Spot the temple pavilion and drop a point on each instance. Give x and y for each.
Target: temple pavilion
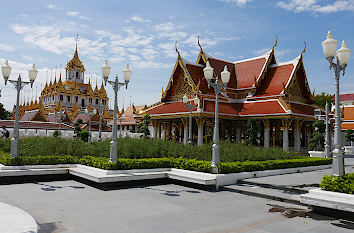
(70, 96)
(276, 94)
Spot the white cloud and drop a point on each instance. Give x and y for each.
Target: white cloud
(7, 48)
(238, 2)
(53, 7)
(138, 19)
(314, 6)
(72, 13)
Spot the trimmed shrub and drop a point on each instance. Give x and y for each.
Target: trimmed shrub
(7, 160)
(342, 184)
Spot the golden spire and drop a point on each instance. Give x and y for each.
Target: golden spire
(58, 107)
(75, 62)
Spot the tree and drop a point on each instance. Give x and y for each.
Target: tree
(143, 126)
(77, 129)
(252, 132)
(320, 100)
(4, 114)
(349, 136)
(317, 138)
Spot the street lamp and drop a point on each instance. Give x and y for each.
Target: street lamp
(218, 86)
(90, 114)
(106, 69)
(60, 117)
(19, 84)
(319, 116)
(340, 63)
(193, 104)
(100, 112)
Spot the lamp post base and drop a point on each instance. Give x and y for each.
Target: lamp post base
(113, 152)
(215, 159)
(338, 162)
(14, 148)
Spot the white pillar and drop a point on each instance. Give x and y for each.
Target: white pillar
(200, 123)
(163, 132)
(180, 128)
(286, 126)
(185, 130)
(266, 124)
(297, 132)
(154, 124)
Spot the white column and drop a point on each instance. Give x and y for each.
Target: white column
(163, 131)
(185, 130)
(297, 132)
(180, 128)
(200, 123)
(266, 124)
(154, 124)
(286, 126)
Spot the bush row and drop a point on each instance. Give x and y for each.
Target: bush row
(6, 159)
(134, 148)
(342, 184)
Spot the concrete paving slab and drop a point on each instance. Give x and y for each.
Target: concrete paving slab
(15, 220)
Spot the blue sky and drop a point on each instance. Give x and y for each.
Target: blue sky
(142, 33)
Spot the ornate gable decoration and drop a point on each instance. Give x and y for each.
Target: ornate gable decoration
(186, 81)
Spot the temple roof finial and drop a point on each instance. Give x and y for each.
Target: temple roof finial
(177, 49)
(276, 42)
(199, 44)
(304, 50)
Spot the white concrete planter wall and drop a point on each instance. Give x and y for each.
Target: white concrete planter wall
(349, 150)
(320, 154)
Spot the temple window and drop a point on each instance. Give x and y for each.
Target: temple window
(61, 97)
(82, 102)
(68, 98)
(77, 74)
(53, 97)
(76, 99)
(127, 127)
(122, 127)
(90, 100)
(96, 101)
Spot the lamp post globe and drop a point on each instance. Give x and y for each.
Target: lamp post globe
(6, 71)
(343, 55)
(329, 46)
(106, 70)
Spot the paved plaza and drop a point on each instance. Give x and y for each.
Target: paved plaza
(72, 206)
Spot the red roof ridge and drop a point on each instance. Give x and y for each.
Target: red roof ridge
(294, 62)
(186, 62)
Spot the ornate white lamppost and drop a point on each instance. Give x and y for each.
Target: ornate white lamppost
(218, 86)
(90, 114)
(106, 69)
(100, 112)
(19, 84)
(327, 122)
(342, 56)
(193, 104)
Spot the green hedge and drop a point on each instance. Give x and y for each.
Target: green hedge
(201, 166)
(342, 184)
(6, 159)
(181, 163)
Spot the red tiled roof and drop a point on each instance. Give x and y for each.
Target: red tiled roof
(224, 108)
(83, 116)
(129, 110)
(262, 108)
(33, 125)
(302, 109)
(27, 116)
(347, 126)
(196, 73)
(274, 80)
(345, 97)
(219, 65)
(166, 108)
(348, 113)
(247, 71)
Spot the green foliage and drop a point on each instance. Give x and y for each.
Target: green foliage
(77, 128)
(200, 166)
(317, 138)
(321, 99)
(342, 184)
(4, 114)
(143, 126)
(7, 160)
(349, 135)
(84, 135)
(252, 132)
(56, 133)
(144, 148)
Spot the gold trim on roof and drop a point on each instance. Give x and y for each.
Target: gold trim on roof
(75, 63)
